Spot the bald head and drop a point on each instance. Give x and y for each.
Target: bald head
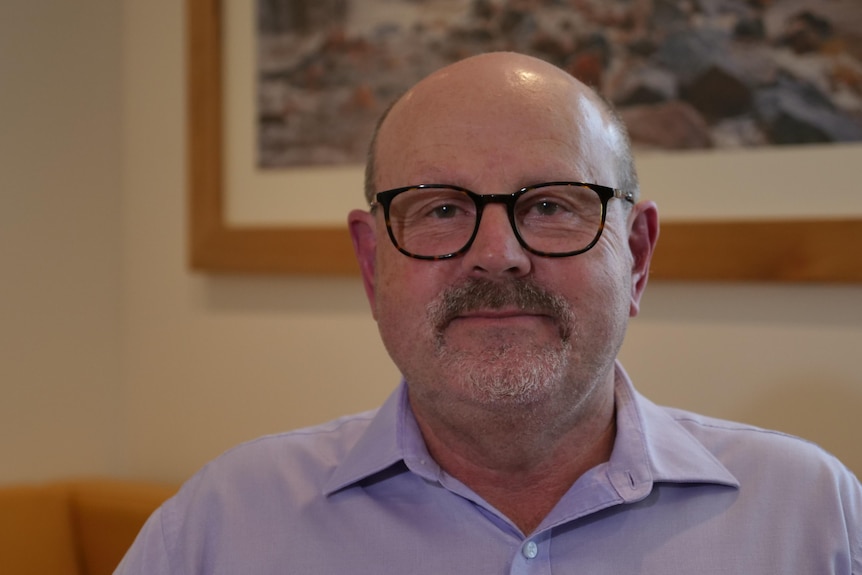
(532, 97)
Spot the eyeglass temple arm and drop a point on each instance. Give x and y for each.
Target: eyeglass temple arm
(628, 196)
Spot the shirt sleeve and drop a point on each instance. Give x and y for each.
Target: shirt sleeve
(857, 533)
(851, 495)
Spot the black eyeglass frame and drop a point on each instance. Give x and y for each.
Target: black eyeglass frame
(605, 194)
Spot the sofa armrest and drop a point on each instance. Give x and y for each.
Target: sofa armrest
(36, 531)
(108, 515)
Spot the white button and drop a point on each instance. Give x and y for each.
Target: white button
(530, 550)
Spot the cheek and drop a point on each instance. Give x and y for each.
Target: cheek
(613, 257)
(597, 284)
(404, 290)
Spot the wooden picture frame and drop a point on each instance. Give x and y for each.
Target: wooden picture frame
(789, 250)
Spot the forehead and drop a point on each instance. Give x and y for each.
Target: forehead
(527, 128)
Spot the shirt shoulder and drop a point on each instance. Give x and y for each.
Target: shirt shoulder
(722, 434)
(784, 475)
(751, 452)
(257, 488)
(310, 452)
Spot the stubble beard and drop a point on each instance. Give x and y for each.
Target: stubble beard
(506, 370)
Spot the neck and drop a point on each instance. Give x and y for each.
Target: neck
(522, 461)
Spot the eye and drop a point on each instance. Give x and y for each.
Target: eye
(432, 205)
(444, 211)
(547, 208)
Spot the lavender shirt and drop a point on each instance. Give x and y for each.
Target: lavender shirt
(682, 493)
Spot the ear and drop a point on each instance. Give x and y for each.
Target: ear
(363, 233)
(643, 235)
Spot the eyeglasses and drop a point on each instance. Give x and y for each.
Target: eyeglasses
(439, 221)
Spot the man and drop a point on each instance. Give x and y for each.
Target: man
(503, 254)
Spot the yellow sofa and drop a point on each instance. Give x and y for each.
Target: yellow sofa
(80, 527)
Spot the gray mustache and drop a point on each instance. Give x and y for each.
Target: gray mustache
(481, 294)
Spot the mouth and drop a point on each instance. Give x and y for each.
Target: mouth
(508, 319)
(501, 315)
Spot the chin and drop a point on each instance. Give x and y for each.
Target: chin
(508, 375)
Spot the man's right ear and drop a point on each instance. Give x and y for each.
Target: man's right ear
(363, 233)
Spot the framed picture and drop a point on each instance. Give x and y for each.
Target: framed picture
(726, 215)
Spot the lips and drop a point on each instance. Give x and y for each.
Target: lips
(502, 315)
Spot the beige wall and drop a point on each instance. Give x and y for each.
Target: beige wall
(127, 363)
(60, 232)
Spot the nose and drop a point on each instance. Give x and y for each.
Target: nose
(495, 252)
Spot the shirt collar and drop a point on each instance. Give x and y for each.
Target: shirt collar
(392, 437)
(650, 447)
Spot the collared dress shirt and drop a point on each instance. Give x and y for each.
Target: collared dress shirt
(681, 493)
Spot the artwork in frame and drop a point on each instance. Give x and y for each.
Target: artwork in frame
(804, 246)
(683, 75)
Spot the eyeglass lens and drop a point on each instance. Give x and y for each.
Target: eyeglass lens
(433, 222)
